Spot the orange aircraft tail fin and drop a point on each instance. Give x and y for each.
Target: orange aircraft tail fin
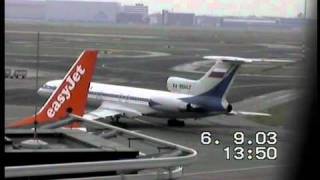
(70, 96)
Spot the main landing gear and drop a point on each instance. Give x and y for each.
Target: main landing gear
(175, 123)
(115, 121)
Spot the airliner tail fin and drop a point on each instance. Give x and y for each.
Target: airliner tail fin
(217, 81)
(70, 96)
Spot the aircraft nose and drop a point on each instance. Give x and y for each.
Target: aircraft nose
(39, 91)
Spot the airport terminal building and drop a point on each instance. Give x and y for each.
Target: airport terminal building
(114, 12)
(177, 19)
(83, 11)
(19, 9)
(133, 14)
(62, 11)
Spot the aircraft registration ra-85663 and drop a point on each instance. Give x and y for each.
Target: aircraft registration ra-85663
(185, 98)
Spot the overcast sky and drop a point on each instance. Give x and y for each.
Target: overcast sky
(286, 8)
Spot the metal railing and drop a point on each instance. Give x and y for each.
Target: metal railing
(172, 164)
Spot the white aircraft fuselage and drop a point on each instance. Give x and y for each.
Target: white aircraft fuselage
(134, 98)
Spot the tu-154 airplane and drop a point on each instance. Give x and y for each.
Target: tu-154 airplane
(185, 99)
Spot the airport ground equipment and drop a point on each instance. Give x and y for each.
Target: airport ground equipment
(167, 164)
(7, 73)
(18, 73)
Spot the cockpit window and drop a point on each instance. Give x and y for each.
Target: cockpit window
(48, 87)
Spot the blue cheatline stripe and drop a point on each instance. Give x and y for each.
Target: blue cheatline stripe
(118, 96)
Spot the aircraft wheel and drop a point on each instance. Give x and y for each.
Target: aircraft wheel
(116, 122)
(119, 124)
(175, 123)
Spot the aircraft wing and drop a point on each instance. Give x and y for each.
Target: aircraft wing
(101, 113)
(106, 110)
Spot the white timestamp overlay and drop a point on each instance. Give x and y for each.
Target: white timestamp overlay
(260, 146)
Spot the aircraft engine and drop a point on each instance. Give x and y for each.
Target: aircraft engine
(171, 105)
(229, 108)
(180, 85)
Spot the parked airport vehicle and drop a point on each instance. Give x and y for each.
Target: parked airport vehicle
(7, 73)
(70, 96)
(186, 99)
(20, 73)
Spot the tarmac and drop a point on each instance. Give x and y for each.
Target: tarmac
(256, 92)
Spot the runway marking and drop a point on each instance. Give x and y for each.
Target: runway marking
(259, 85)
(13, 118)
(233, 170)
(250, 75)
(84, 34)
(135, 71)
(155, 124)
(42, 55)
(270, 76)
(145, 122)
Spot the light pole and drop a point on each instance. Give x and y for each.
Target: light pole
(305, 9)
(37, 79)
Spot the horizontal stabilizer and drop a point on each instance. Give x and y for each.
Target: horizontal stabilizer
(229, 59)
(245, 113)
(247, 60)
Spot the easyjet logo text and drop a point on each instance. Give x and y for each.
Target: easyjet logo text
(65, 93)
